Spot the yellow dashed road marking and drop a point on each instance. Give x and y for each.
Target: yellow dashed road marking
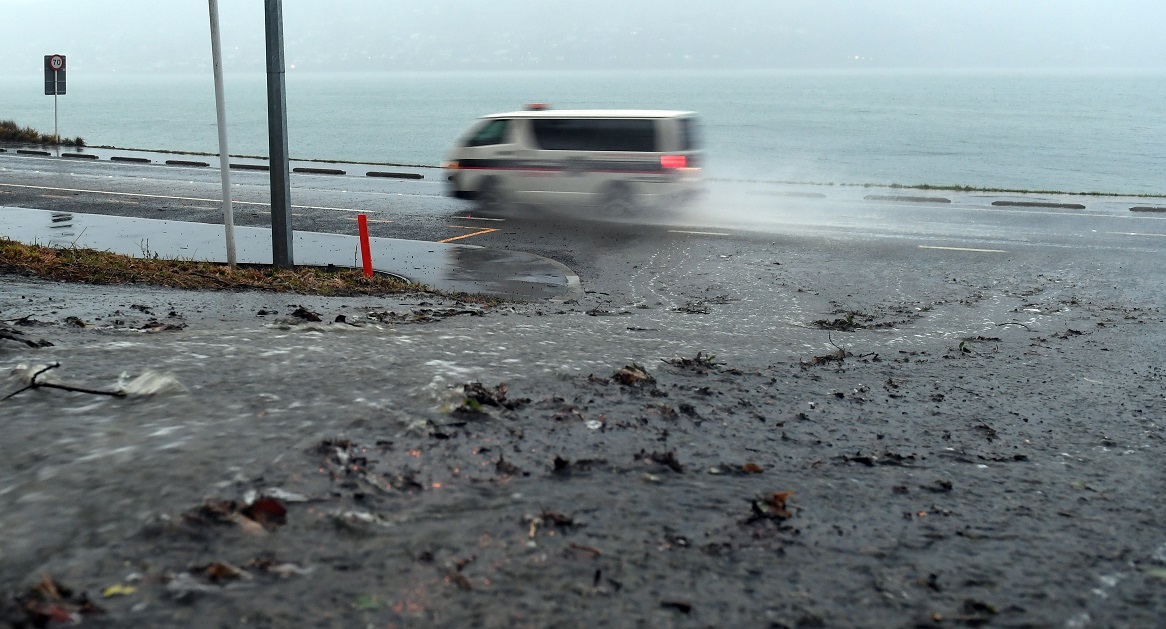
(477, 233)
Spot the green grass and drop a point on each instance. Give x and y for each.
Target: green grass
(12, 132)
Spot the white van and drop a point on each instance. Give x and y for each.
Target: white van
(611, 162)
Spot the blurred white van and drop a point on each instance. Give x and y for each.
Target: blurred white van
(609, 162)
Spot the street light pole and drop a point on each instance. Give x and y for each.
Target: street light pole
(281, 226)
(221, 111)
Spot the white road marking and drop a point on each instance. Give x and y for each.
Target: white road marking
(685, 231)
(1136, 234)
(963, 249)
(479, 218)
(172, 198)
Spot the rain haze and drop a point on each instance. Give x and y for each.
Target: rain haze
(726, 313)
(364, 35)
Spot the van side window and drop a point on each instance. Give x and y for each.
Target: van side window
(595, 134)
(493, 133)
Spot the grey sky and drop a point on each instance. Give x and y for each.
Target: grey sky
(377, 35)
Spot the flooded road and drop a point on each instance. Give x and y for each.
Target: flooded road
(852, 422)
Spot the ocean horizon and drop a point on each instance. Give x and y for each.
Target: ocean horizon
(1082, 131)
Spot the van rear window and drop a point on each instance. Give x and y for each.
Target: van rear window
(689, 136)
(595, 134)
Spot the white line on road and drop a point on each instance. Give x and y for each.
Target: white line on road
(1136, 234)
(684, 231)
(479, 218)
(963, 249)
(171, 198)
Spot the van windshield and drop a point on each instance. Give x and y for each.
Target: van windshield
(595, 134)
(494, 132)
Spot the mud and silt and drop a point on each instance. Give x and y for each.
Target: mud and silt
(992, 456)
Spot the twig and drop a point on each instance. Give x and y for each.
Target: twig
(1015, 323)
(33, 384)
(7, 335)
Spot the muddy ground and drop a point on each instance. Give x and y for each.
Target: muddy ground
(802, 441)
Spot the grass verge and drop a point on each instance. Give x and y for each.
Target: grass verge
(101, 267)
(12, 132)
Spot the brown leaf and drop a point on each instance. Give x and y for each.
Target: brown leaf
(268, 512)
(632, 375)
(220, 571)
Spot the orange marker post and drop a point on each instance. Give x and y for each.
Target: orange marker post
(365, 252)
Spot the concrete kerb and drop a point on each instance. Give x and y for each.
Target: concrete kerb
(394, 175)
(318, 171)
(904, 198)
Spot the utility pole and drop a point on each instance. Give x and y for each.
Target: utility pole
(281, 226)
(224, 153)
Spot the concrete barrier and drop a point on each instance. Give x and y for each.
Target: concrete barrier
(1062, 206)
(791, 193)
(183, 162)
(319, 171)
(31, 152)
(250, 167)
(374, 173)
(892, 197)
(136, 160)
(1146, 208)
(79, 155)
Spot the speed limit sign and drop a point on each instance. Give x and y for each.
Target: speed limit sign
(54, 75)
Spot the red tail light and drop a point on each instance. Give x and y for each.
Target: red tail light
(673, 161)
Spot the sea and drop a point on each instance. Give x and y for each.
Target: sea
(1067, 131)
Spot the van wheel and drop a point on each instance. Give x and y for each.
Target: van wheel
(617, 202)
(490, 199)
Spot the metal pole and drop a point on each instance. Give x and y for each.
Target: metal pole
(281, 227)
(56, 133)
(224, 153)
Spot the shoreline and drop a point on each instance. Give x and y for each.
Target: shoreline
(820, 184)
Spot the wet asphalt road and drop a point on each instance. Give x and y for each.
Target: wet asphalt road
(977, 441)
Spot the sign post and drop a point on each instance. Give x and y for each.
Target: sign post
(55, 85)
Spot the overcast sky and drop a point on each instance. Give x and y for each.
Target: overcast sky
(100, 36)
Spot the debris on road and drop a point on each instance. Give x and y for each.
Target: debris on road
(48, 603)
(772, 506)
(12, 334)
(633, 376)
